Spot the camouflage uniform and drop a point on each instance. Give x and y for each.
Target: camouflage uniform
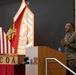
(70, 51)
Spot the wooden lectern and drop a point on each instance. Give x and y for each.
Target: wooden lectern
(40, 53)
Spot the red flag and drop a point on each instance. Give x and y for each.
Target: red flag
(22, 6)
(21, 34)
(13, 33)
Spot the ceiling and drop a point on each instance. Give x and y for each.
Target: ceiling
(6, 2)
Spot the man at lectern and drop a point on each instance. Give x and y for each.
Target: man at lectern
(69, 43)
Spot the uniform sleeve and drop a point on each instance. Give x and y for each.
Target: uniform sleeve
(73, 42)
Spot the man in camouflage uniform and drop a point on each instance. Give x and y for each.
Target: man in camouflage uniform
(69, 43)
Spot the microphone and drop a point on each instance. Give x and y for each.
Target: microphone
(26, 60)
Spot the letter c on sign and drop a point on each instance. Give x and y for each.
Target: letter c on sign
(1, 59)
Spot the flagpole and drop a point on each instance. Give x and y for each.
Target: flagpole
(27, 21)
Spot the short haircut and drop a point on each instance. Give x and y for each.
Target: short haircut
(72, 24)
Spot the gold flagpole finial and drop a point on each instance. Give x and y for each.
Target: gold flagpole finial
(27, 2)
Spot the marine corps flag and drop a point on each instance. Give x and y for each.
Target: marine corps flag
(21, 33)
(13, 32)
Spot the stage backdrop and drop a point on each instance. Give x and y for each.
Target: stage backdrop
(50, 19)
